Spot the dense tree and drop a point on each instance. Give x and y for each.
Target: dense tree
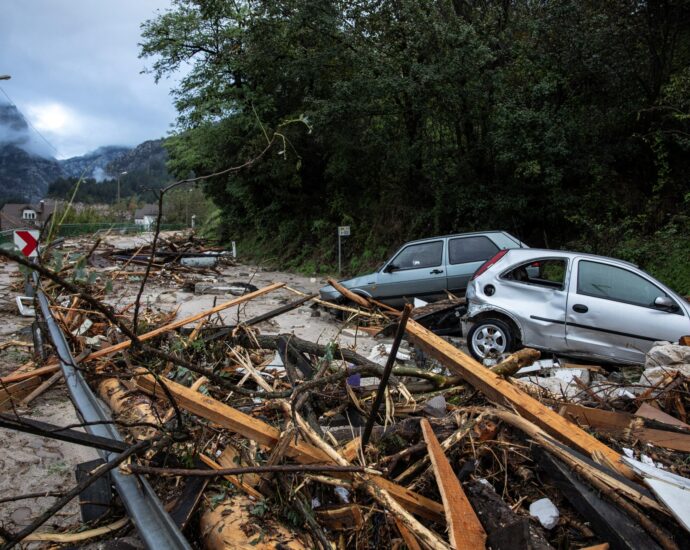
(566, 122)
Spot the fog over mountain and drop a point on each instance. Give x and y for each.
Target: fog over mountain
(14, 130)
(94, 164)
(26, 164)
(27, 167)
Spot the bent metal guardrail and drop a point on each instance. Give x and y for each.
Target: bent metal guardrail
(155, 527)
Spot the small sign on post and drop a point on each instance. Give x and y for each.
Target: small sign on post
(27, 242)
(343, 231)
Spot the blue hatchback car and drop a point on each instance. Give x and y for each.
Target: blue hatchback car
(427, 268)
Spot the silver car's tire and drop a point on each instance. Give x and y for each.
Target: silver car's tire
(490, 337)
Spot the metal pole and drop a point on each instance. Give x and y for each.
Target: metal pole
(386, 374)
(155, 526)
(340, 266)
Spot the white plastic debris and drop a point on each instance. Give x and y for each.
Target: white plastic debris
(93, 341)
(83, 328)
(420, 303)
(343, 494)
(560, 382)
(545, 511)
(381, 352)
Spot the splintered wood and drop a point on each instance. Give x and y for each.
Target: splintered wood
(264, 441)
(182, 322)
(268, 436)
(503, 392)
(465, 530)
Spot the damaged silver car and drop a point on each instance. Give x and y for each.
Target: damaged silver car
(578, 305)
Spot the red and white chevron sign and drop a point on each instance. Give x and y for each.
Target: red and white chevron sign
(27, 242)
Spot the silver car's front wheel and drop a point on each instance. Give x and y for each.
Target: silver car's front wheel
(490, 337)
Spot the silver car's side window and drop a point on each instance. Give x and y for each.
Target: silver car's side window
(548, 272)
(615, 283)
(470, 249)
(419, 255)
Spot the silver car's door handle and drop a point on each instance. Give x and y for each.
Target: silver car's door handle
(436, 271)
(580, 308)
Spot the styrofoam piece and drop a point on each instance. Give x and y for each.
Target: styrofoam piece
(546, 512)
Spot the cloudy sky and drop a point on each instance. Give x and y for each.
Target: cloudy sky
(76, 75)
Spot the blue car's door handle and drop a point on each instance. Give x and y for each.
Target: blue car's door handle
(580, 308)
(436, 271)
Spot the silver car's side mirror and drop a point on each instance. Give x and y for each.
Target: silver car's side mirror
(664, 302)
(390, 268)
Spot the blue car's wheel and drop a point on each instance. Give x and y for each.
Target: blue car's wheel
(490, 337)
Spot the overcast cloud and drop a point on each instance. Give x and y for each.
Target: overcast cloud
(76, 75)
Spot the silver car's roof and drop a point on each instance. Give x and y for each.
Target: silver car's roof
(527, 253)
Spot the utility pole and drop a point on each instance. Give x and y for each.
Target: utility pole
(118, 185)
(5, 77)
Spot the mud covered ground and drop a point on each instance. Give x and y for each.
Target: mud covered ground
(30, 463)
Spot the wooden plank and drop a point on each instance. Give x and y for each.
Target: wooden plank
(11, 395)
(652, 413)
(464, 529)
(340, 518)
(40, 390)
(181, 322)
(408, 537)
(12, 378)
(229, 418)
(268, 436)
(503, 392)
(236, 481)
(350, 450)
(626, 426)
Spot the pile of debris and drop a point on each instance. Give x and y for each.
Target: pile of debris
(269, 440)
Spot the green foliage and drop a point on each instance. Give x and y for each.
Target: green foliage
(562, 122)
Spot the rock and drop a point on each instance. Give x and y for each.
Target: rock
(665, 354)
(166, 298)
(21, 516)
(546, 512)
(436, 406)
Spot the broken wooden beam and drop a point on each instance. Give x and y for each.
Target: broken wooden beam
(464, 529)
(356, 298)
(18, 377)
(626, 426)
(515, 361)
(181, 322)
(501, 391)
(268, 436)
